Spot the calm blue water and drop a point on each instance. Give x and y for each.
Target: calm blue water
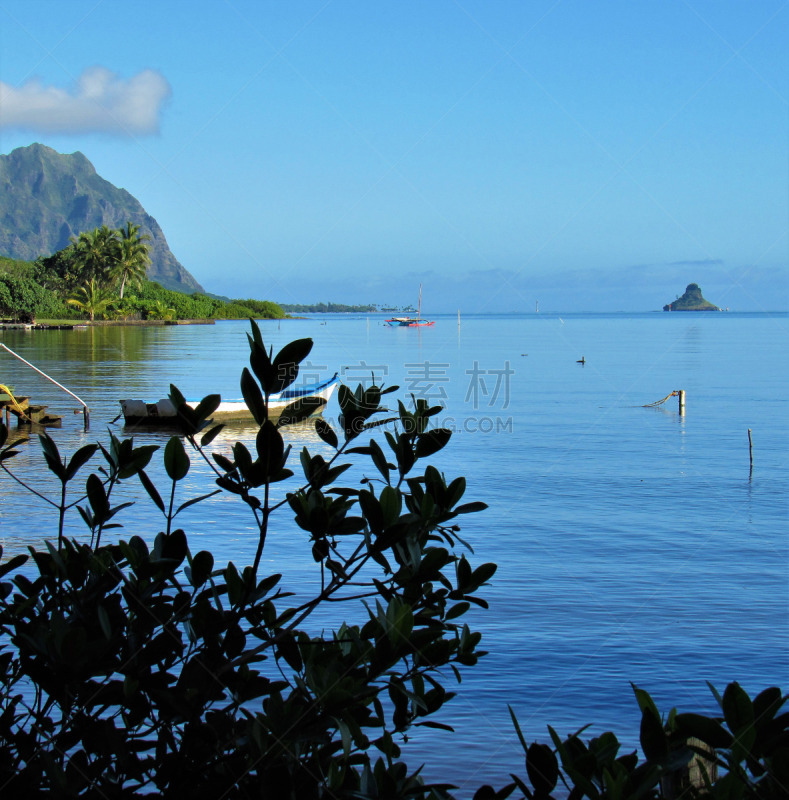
(633, 544)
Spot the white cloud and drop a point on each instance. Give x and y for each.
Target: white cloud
(101, 101)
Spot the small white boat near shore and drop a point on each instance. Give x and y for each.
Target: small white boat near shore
(164, 413)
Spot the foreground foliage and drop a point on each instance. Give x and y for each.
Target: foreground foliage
(129, 667)
(139, 667)
(743, 753)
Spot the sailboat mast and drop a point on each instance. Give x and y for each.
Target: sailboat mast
(419, 312)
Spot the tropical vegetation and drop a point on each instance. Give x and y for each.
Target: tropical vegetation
(327, 308)
(101, 275)
(131, 259)
(92, 298)
(143, 667)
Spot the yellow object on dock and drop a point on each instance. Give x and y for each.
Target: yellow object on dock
(26, 414)
(10, 403)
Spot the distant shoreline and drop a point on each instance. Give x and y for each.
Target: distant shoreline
(63, 325)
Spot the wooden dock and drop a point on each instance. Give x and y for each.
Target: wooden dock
(25, 412)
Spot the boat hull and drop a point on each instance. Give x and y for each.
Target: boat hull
(163, 412)
(401, 322)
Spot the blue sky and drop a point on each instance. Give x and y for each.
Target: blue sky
(589, 156)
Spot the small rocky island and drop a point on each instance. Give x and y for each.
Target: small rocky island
(692, 300)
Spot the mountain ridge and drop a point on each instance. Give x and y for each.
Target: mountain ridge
(47, 197)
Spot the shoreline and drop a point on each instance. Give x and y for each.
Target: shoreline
(114, 323)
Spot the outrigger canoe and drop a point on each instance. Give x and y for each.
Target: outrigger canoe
(164, 413)
(411, 322)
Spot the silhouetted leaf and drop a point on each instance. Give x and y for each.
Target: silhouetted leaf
(270, 448)
(767, 704)
(301, 409)
(52, 456)
(253, 397)
(738, 712)
(542, 768)
(708, 730)
(207, 406)
(286, 364)
(224, 462)
(176, 398)
(96, 495)
(79, 459)
(196, 500)
(653, 738)
(326, 432)
(260, 362)
(471, 508)
(137, 459)
(176, 461)
(431, 442)
(200, 568)
(151, 489)
(289, 650)
(484, 573)
(209, 437)
(737, 707)
(12, 564)
(645, 701)
(379, 459)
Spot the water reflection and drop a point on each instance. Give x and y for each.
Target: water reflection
(299, 435)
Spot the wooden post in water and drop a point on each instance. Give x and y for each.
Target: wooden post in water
(750, 450)
(682, 402)
(681, 781)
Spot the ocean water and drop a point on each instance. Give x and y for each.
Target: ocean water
(634, 544)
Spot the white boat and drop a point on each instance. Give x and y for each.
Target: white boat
(164, 412)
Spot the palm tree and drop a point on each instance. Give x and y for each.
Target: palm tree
(132, 257)
(91, 297)
(158, 310)
(96, 252)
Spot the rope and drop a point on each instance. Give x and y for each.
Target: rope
(660, 402)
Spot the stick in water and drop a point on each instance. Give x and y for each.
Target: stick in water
(750, 448)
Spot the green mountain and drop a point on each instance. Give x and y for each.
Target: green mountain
(692, 300)
(47, 197)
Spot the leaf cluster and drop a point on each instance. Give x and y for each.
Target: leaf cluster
(131, 669)
(741, 753)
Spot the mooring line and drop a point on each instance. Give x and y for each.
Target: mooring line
(660, 402)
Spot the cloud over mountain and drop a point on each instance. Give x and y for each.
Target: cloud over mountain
(101, 101)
